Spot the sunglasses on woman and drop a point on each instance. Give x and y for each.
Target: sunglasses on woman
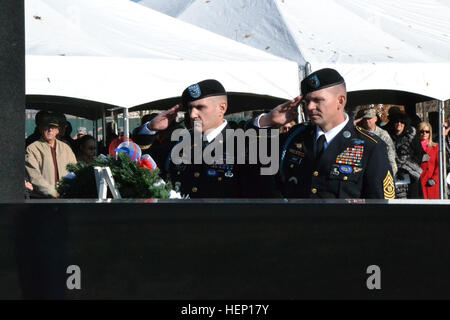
(424, 131)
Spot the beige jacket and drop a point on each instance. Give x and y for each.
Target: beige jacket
(40, 168)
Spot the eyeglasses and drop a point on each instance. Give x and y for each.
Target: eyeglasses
(424, 131)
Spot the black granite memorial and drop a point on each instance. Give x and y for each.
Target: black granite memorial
(182, 249)
(12, 99)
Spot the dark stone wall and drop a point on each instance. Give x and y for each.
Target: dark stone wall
(210, 250)
(12, 99)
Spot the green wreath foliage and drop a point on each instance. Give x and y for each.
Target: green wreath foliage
(131, 180)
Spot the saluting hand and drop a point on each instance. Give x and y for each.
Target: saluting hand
(282, 114)
(356, 121)
(164, 119)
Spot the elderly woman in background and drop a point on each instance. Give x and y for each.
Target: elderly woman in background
(409, 155)
(430, 164)
(85, 149)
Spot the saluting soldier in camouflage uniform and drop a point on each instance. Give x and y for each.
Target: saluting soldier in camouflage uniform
(366, 119)
(328, 157)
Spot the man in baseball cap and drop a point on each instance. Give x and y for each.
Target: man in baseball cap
(46, 160)
(367, 119)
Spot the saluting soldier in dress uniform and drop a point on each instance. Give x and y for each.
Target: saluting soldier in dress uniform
(328, 157)
(206, 103)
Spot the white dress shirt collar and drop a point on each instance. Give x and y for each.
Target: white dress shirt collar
(212, 134)
(329, 135)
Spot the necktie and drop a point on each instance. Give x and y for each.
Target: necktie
(320, 146)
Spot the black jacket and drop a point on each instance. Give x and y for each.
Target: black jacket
(354, 165)
(228, 179)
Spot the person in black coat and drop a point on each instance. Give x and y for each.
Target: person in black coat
(328, 157)
(409, 156)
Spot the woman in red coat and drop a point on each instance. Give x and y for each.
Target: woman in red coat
(430, 163)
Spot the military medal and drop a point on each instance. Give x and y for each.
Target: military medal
(211, 173)
(293, 180)
(229, 174)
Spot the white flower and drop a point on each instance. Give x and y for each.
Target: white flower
(173, 194)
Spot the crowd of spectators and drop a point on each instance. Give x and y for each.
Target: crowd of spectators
(413, 154)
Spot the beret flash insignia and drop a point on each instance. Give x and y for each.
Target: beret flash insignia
(314, 82)
(195, 91)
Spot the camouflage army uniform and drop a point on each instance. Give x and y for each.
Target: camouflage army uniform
(384, 135)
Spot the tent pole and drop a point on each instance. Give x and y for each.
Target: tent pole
(301, 75)
(307, 69)
(115, 116)
(443, 152)
(441, 138)
(126, 132)
(95, 133)
(104, 128)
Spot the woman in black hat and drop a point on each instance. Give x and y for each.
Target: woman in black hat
(409, 154)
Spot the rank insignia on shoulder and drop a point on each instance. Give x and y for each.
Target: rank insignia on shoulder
(389, 187)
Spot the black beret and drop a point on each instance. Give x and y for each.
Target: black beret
(203, 89)
(321, 79)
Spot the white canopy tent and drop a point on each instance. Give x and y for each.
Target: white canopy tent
(388, 51)
(119, 53)
(402, 45)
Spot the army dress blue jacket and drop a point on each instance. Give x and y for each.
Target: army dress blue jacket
(227, 179)
(354, 165)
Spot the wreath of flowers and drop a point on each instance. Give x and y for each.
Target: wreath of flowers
(134, 176)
